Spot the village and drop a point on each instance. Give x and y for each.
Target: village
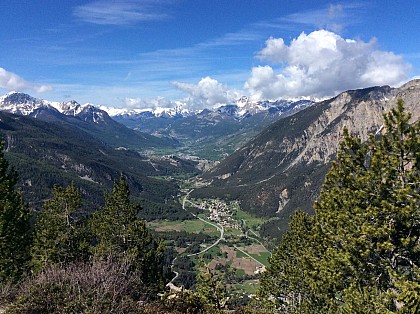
(220, 212)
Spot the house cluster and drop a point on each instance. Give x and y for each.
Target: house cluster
(220, 213)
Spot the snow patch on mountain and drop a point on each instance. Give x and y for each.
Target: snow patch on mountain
(243, 107)
(23, 104)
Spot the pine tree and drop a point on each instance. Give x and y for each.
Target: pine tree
(60, 232)
(122, 235)
(15, 228)
(211, 289)
(365, 240)
(285, 278)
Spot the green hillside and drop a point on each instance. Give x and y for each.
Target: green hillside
(45, 153)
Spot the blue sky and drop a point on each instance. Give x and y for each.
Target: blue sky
(142, 53)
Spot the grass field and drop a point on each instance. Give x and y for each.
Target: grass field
(251, 221)
(258, 252)
(190, 226)
(230, 231)
(248, 286)
(263, 257)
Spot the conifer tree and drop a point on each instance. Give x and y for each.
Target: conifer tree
(122, 235)
(285, 278)
(60, 232)
(15, 228)
(211, 289)
(365, 240)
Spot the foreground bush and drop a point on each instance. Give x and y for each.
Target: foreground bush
(96, 287)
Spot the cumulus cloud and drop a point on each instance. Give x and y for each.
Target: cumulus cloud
(13, 81)
(207, 93)
(322, 64)
(126, 12)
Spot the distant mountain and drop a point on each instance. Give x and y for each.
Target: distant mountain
(241, 108)
(282, 169)
(210, 133)
(86, 117)
(47, 153)
(23, 104)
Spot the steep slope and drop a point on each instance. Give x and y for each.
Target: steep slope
(282, 169)
(84, 117)
(45, 153)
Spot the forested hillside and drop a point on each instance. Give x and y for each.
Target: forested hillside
(48, 153)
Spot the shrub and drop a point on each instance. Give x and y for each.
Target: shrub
(100, 286)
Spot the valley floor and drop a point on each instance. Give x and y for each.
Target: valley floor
(237, 247)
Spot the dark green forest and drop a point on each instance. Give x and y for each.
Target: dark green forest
(358, 253)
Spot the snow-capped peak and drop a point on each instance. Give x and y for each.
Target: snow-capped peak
(112, 111)
(179, 110)
(243, 101)
(23, 104)
(20, 103)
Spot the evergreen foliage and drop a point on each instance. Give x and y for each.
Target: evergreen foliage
(211, 289)
(61, 234)
(15, 228)
(123, 236)
(363, 244)
(47, 153)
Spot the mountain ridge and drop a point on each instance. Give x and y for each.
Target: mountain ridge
(86, 117)
(283, 167)
(46, 153)
(243, 106)
(214, 133)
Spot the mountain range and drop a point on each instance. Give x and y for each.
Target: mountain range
(88, 118)
(202, 134)
(210, 133)
(282, 169)
(57, 143)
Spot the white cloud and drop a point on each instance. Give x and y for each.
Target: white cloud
(13, 81)
(207, 93)
(275, 50)
(322, 64)
(140, 103)
(126, 12)
(334, 17)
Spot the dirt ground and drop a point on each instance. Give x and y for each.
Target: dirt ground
(212, 265)
(254, 249)
(168, 228)
(245, 263)
(231, 253)
(181, 250)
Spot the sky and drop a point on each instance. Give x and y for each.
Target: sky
(157, 53)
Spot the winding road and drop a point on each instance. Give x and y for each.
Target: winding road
(218, 227)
